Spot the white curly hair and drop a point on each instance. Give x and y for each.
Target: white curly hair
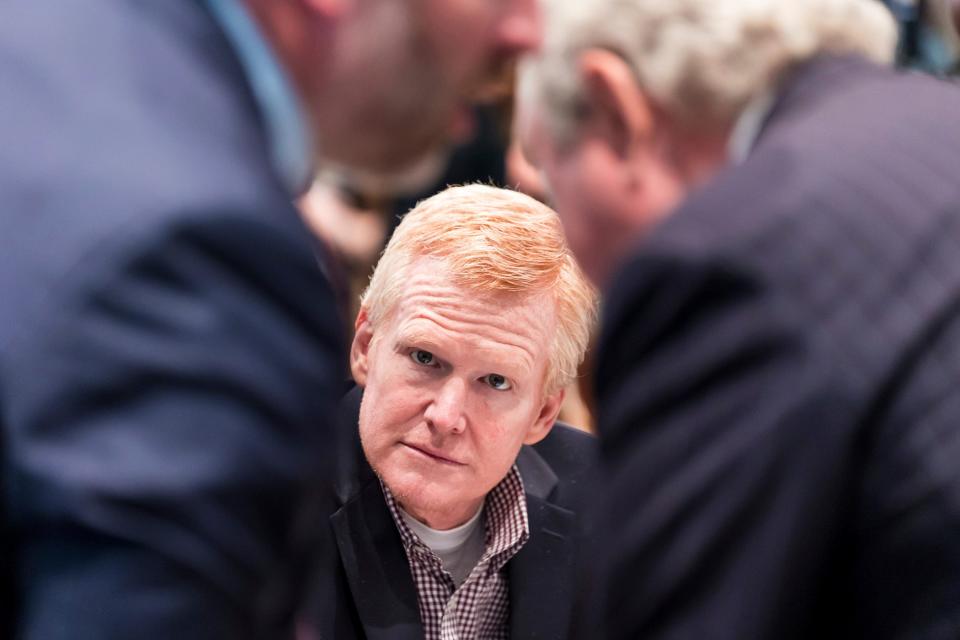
(698, 60)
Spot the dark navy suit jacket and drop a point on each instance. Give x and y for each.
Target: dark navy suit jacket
(779, 381)
(372, 594)
(168, 344)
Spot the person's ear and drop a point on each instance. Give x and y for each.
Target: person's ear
(546, 418)
(360, 348)
(617, 109)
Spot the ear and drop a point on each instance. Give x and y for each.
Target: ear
(618, 110)
(548, 415)
(360, 349)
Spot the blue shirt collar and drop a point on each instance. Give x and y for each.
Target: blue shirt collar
(286, 126)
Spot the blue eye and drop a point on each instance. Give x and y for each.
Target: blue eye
(497, 381)
(422, 357)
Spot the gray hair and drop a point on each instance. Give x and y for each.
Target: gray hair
(698, 60)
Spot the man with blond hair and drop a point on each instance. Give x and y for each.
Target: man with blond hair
(775, 217)
(459, 505)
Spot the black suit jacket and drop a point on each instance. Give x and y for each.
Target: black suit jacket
(374, 593)
(778, 381)
(168, 344)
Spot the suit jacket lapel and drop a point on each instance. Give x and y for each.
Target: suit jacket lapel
(542, 574)
(373, 557)
(376, 567)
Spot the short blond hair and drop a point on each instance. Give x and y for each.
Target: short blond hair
(494, 242)
(701, 61)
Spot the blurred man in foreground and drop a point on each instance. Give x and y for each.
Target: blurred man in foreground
(779, 354)
(169, 348)
(459, 503)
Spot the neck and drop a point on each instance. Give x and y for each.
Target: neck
(698, 157)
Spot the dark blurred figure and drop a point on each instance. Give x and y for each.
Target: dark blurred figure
(169, 347)
(928, 39)
(778, 363)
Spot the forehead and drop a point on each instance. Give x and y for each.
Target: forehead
(513, 328)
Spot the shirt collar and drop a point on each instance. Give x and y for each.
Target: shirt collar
(286, 126)
(508, 526)
(747, 129)
(505, 509)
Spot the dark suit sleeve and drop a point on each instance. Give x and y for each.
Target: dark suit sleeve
(910, 510)
(168, 414)
(722, 470)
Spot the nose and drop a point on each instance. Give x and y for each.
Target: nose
(521, 30)
(445, 413)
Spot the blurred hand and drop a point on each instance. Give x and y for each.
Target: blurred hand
(357, 235)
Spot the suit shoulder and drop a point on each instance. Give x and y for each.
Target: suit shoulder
(570, 452)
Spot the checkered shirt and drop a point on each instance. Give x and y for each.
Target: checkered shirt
(480, 607)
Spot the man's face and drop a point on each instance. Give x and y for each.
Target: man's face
(606, 198)
(584, 185)
(453, 387)
(404, 74)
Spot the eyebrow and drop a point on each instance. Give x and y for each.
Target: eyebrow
(417, 338)
(513, 370)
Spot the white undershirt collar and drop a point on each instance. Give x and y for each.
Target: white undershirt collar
(442, 541)
(459, 549)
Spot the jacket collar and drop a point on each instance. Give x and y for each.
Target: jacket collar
(541, 575)
(376, 566)
(807, 83)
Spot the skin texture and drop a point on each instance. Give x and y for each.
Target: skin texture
(389, 83)
(454, 386)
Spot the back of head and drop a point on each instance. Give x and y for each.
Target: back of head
(494, 242)
(701, 61)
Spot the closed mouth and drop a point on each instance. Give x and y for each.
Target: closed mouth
(432, 455)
